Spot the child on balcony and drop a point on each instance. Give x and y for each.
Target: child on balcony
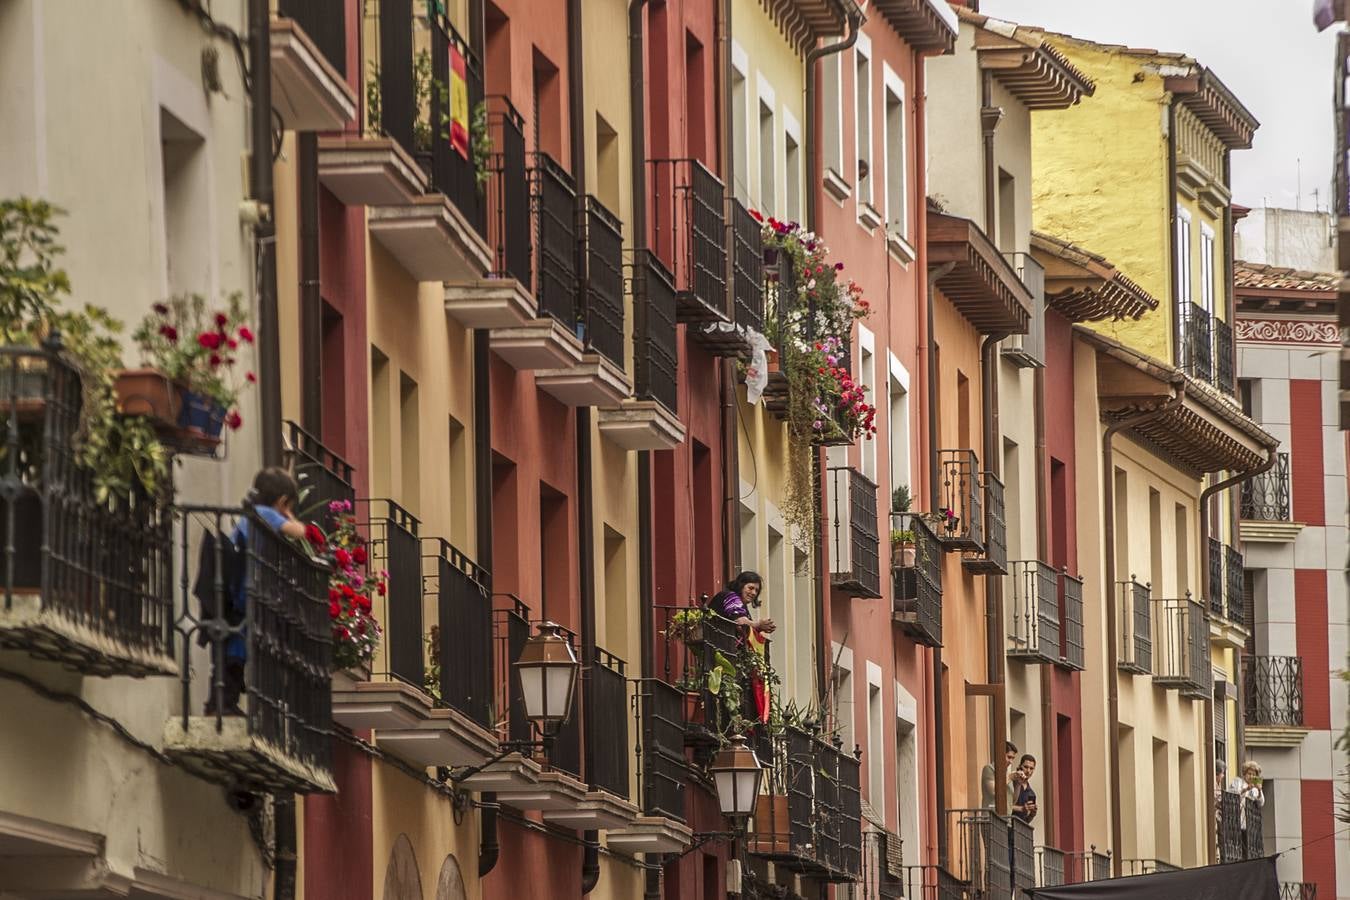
(273, 499)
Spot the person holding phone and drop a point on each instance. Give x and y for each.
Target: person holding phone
(1248, 786)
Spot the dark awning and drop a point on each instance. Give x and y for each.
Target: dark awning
(1254, 879)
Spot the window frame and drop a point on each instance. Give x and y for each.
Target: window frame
(892, 85)
(862, 56)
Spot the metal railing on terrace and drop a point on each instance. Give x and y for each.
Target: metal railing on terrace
(655, 340)
(1265, 498)
(747, 268)
(511, 223)
(1181, 646)
(1135, 619)
(462, 594)
(1087, 865)
(324, 477)
(1223, 356)
(993, 560)
(554, 201)
(917, 580)
(689, 237)
(662, 769)
(1273, 690)
(855, 548)
(603, 296)
(325, 22)
(1197, 344)
(960, 512)
(1028, 350)
(1033, 615)
(607, 723)
(1072, 643)
(1050, 867)
(1239, 828)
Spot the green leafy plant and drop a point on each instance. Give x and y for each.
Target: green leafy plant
(431, 674)
(429, 94)
(374, 102)
(901, 536)
(480, 144)
(900, 499)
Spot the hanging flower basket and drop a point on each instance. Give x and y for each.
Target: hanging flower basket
(149, 393)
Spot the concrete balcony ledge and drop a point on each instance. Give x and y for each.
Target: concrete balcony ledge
(408, 724)
(490, 303)
(1225, 633)
(364, 171)
(1269, 532)
(307, 92)
(593, 381)
(1274, 735)
(514, 773)
(431, 239)
(48, 632)
(378, 705)
(650, 834)
(540, 344)
(225, 751)
(551, 792)
(598, 809)
(641, 425)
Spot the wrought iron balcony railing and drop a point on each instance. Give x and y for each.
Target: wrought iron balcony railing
(603, 296)
(688, 228)
(1028, 350)
(326, 24)
(1235, 595)
(510, 631)
(1050, 867)
(748, 268)
(978, 851)
(511, 229)
(1273, 690)
(87, 581)
(855, 548)
(994, 558)
(1265, 498)
(1197, 353)
(1087, 865)
(1181, 646)
(917, 580)
(396, 547)
(655, 347)
(1135, 620)
(1239, 827)
(660, 753)
(933, 883)
(1023, 856)
(1223, 356)
(324, 476)
(1072, 644)
(1033, 615)
(1214, 583)
(607, 723)
(258, 604)
(1298, 890)
(555, 248)
(960, 513)
(692, 640)
(464, 605)
(1136, 866)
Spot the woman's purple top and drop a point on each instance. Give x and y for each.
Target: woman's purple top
(731, 605)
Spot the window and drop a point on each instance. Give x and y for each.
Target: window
(548, 107)
(775, 588)
(1181, 542)
(832, 118)
(695, 112)
(898, 424)
(792, 178)
(876, 755)
(767, 177)
(749, 539)
(843, 699)
(897, 223)
(617, 606)
(410, 444)
(862, 119)
(381, 425)
(184, 169)
(1007, 212)
(1207, 268)
(461, 510)
(1162, 802)
(607, 164)
(804, 635)
(1183, 255)
(739, 123)
(1248, 392)
(867, 376)
(1155, 539)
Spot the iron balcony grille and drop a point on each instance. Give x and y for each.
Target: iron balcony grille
(1197, 358)
(688, 235)
(748, 261)
(464, 605)
(325, 22)
(1265, 498)
(396, 548)
(856, 547)
(510, 631)
(324, 476)
(1136, 629)
(1023, 855)
(1234, 594)
(607, 723)
(1223, 356)
(555, 205)
(1050, 867)
(1215, 582)
(655, 346)
(269, 607)
(454, 173)
(994, 558)
(933, 883)
(1298, 890)
(1136, 866)
(87, 582)
(604, 282)
(1181, 646)
(1273, 688)
(918, 581)
(565, 753)
(1028, 350)
(392, 76)
(961, 519)
(511, 232)
(1239, 827)
(692, 639)
(978, 851)
(660, 754)
(1033, 617)
(1086, 865)
(1072, 647)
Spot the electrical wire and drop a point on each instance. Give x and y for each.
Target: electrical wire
(1316, 840)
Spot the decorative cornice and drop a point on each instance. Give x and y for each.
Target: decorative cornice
(1288, 331)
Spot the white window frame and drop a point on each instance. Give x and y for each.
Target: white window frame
(792, 175)
(867, 375)
(740, 149)
(876, 740)
(897, 220)
(832, 139)
(862, 54)
(1184, 258)
(766, 99)
(899, 461)
(1207, 267)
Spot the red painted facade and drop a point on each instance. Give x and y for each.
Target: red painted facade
(1310, 605)
(1305, 442)
(1319, 823)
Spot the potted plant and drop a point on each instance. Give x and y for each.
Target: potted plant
(194, 349)
(900, 499)
(902, 548)
(352, 588)
(686, 626)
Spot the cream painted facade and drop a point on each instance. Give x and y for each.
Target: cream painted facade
(108, 118)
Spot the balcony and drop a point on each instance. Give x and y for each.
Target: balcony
(981, 284)
(1027, 351)
(694, 639)
(933, 883)
(689, 237)
(662, 773)
(1298, 890)
(1234, 580)
(1051, 867)
(1239, 828)
(809, 819)
(428, 697)
(599, 378)
(978, 851)
(747, 269)
(855, 546)
(1264, 508)
(650, 419)
(1087, 865)
(1135, 617)
(87, 583)
(1181, 646)
(267, 688)
(324, 476)
(1033, 614)
(1273, 700)
(1223, 356)
(917, 579)
(960, 515)
(1138, 866)
(1197, 342)
(309, 64)
(1071, 644)
(993, 559)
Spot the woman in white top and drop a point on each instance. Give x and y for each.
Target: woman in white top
(1248, 786)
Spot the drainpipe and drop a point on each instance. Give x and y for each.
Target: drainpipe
(638, 161)
(993, 587)
(1177, 337)
(1112, 628)
(990, 115)
(935, 658)
(1205, 495)
(488, 849)
(855, 22)
(731, 469)
(311, 300)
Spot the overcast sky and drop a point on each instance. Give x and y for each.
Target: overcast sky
(1266, 51)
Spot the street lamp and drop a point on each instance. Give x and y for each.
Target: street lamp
(548, 670)
(737, 773)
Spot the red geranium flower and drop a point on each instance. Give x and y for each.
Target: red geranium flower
(210, 340)
(169, 333)
(334, 610)
(251, 378)
(314, 535)
(222, 320)
(334, 595)
(343, 558)
(348, 592)
(214, 360)
(359, 554)
(245, 335)
(364, 602)
(234, 420)
(233, 344)
(161, 309)
(383, 589)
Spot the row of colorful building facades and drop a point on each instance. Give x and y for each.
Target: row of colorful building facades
(935, 321)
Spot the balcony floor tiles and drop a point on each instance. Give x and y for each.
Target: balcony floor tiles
(641, 425)
(307, 92)
(45, 632)
(224, 751)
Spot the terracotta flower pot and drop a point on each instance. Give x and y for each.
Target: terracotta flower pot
(148, 392)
